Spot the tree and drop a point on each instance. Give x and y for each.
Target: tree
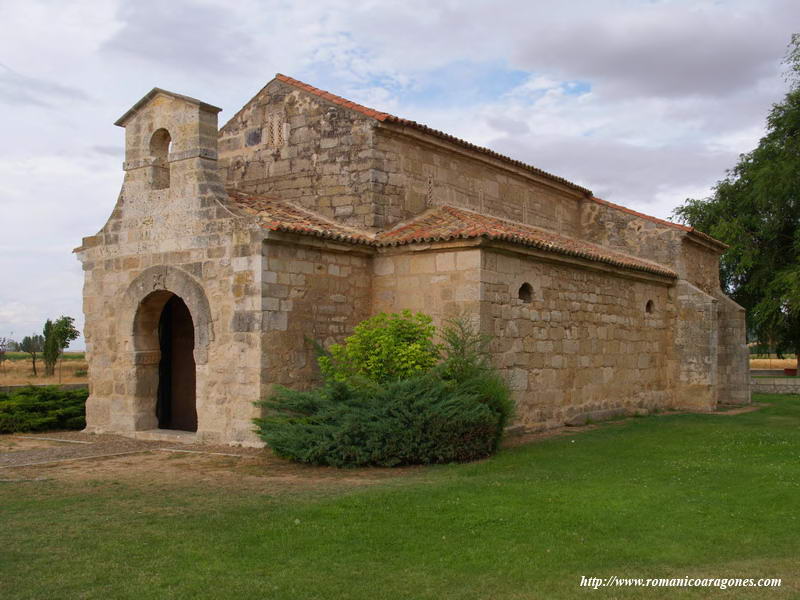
(57, 336)
(756, 210)
(3, 348)
(32, 344)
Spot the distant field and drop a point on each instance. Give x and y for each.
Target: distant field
(773, 363)
(25, 356)
(18, 370)
(76, 361)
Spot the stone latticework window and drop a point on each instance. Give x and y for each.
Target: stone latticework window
(273, 131)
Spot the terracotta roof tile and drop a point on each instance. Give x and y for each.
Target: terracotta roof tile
(388, 118)
(382, 116)
(277, 215)
(443, 223)
(449, 223)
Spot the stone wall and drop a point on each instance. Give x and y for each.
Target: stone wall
(180, 239)
(627, 232)
(585, 341)
(699, 265)
(733, 361)
(423, 172)
(121, 333)
(590, 339)
(311, 291)
(696, 348)
(775, 385)
(620, 229)
(291, 144)
(443, 283)
(288, 144)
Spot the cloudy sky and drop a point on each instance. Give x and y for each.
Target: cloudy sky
(644, 102)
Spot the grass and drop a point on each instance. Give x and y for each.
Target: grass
(17, 370)
(662, 496)
(26, 356)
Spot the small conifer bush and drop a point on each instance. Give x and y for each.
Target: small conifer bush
(451, 406)
(42, 408)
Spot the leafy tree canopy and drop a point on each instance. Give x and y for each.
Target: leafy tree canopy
(57, 336)
(33, 345)
(756, 210)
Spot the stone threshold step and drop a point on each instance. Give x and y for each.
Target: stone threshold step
(165, 435)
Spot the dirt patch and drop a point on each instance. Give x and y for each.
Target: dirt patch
(159, 468)
(14, 444)
(112, 458)
(46, 448)
(115, 459)
(18, 444)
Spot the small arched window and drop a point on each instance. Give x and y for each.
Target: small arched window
(526, 292)
(649, 307)
(160, 146)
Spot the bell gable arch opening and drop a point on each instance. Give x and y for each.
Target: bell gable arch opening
(160, 147)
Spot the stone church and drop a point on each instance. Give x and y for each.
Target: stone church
(306, 213)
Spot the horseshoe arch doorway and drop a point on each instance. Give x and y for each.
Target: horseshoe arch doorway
(176, 406)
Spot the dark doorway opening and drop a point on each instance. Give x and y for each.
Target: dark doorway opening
(176, 407)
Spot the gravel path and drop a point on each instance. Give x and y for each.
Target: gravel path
(99, 445)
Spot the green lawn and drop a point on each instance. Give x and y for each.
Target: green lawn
(26, 356)
(661, 496)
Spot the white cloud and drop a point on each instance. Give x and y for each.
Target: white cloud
(49, 203)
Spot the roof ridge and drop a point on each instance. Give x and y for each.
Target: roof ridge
(309, 222)
(153, 93)
(403, 223)
(370, 112)
(385, 117)
(480, 225)
(641, 214)
(390, 118)
(686, 228)
(307, 212)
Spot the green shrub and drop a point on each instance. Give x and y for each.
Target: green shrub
(453, 412)
(383, 348)
(42, 408)
(465, 358)
(417, 420)
(464, 350)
